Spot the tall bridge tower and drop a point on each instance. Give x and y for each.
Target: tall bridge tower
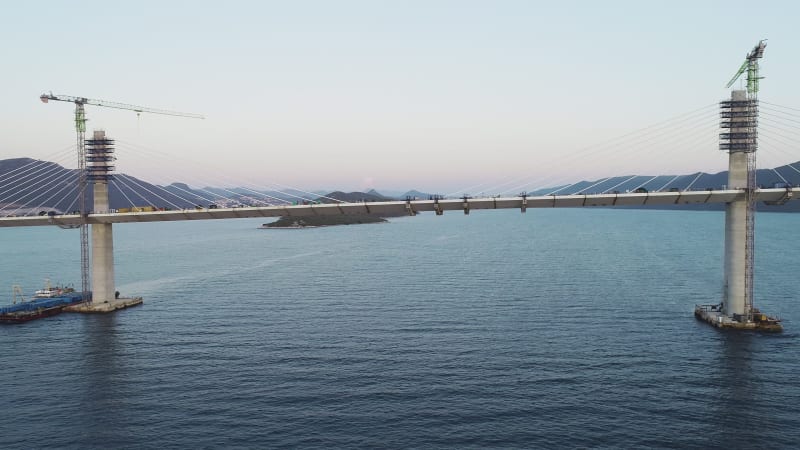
(739, 122)
(739, 117)
(99, 165)
(739, 137)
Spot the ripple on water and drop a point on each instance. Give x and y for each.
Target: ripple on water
(558, 328)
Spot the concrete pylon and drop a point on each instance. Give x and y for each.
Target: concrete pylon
(99, 156)
(736, 216)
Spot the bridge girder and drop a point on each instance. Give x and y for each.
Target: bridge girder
(395, 208)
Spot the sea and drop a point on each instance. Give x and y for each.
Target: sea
(557, 328)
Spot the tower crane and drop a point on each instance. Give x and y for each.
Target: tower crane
(750, 65)
(80, 128)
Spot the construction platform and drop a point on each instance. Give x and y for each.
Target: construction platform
(106, 306)
(759, 322)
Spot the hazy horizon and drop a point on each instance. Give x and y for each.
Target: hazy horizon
(435, 96)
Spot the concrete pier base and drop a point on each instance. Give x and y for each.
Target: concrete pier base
(713, 315)
(107, 306)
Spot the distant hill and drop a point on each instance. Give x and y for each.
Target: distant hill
(46, 185)
(249, 196)
(414, 194)
(371, 196)
(766, 178)
(697, 181)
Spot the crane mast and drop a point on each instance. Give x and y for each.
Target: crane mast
(80, 130)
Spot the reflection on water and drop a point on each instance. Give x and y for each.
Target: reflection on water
(735, 389)
(101, 379)
(749, 390)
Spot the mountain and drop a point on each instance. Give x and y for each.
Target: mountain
(371, 196)
(697, 181)
(414, 194)
(766, 178)
(32, 186)
(48, 186)
(374, 193)
(251, 196)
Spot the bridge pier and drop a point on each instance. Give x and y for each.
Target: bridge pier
(736, 253)
(103, 288)
(99, 159)
(739, 121)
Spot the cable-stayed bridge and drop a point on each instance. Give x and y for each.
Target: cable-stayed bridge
(41, 193)
(412, 207)
(689, 140)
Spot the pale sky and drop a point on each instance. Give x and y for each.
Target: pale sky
(432, 95)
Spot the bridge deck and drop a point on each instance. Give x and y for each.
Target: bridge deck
(394, 208)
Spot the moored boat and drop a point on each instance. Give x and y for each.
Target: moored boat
(46, 302)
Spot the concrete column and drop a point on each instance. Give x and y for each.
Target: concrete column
(100, 191)
(102, 263)
(103, 287)
(735, 256)
(736, 230)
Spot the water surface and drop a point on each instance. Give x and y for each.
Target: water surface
(553, 328)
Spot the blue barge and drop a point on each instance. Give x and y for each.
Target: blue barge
(40, 307)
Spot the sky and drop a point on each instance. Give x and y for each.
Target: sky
(432, 95)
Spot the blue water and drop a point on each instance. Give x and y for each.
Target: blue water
(555, 328)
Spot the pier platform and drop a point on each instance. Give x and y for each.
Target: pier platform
(760, 321)
(105, 307)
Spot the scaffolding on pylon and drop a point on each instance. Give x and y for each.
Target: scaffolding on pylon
(741, 117)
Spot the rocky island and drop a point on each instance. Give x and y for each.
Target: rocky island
(328, 221)
(323, 221)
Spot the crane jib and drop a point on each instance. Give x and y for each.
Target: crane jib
(45, 98)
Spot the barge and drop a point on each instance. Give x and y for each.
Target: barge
(757, 322)
(46, 302)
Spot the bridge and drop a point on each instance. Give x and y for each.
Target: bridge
(412, 207)
(738, 121)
